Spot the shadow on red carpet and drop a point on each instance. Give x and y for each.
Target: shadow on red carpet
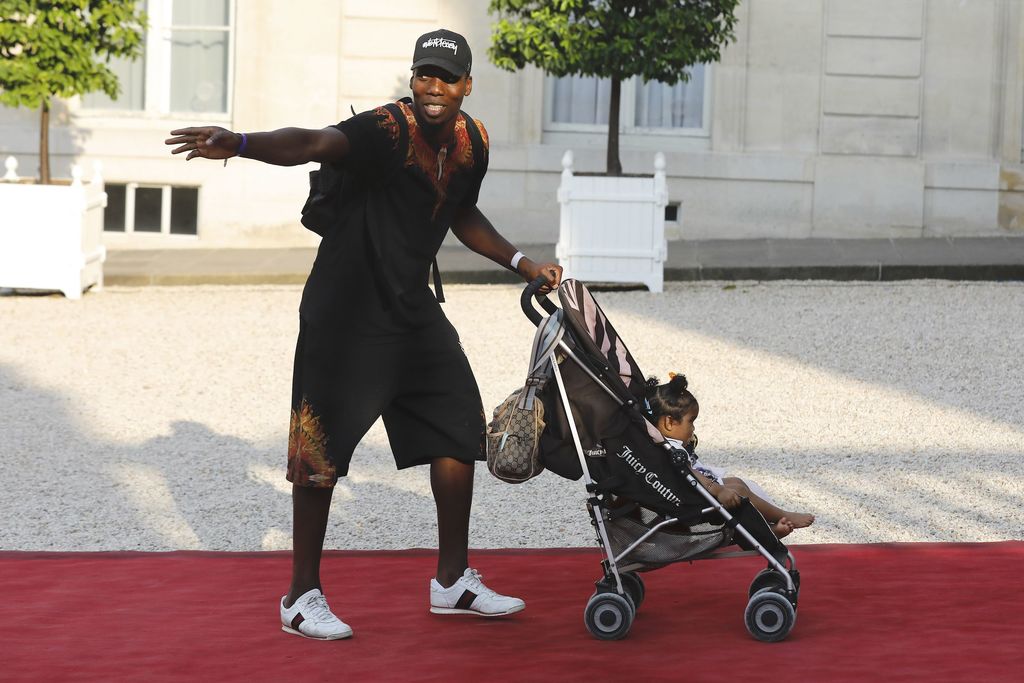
(904, 612)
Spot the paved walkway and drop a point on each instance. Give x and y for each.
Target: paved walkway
(968, 258)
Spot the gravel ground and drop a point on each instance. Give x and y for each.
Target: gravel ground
(155, 418)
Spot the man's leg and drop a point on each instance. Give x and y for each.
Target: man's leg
(452, 484)
(304, 611)
(310, 509)
(458, 589)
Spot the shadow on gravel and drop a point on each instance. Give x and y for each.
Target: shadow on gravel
(65, 489)
(196, 488)
(190, 488)
(926, 339)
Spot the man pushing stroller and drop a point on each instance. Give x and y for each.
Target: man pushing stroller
(373, 340)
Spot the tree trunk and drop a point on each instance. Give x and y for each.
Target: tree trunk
(614, 165)
(44, 143)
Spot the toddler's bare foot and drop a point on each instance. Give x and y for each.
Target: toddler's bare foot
(782, 528)
(799, 520)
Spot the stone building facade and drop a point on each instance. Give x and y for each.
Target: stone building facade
(837, 118)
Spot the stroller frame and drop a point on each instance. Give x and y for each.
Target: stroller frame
(771, 612)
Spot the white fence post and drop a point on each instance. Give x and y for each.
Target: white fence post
(565, 211)
(12, 170)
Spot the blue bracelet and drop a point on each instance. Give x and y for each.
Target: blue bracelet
(241, 147)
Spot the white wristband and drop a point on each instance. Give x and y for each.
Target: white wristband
(516, 259)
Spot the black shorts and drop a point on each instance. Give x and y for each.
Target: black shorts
(420, 382)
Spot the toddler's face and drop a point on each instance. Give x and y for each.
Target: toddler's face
(686, 427)
(681, 429)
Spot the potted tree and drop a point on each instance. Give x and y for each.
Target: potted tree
(50, 230)
(612, 227)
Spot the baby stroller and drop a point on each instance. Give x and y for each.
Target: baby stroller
(645, 504)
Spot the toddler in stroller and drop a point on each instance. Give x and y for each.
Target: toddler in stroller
(648, 506)
(674, 409)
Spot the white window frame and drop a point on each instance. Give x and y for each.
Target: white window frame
(157, 88)
(627, 113)
(165, 212)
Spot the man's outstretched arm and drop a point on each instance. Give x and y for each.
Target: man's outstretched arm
(476, 232)
(283, 147)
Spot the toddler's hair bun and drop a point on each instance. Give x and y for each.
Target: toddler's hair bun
(677, 383)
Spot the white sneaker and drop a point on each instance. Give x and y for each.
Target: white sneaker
(469, 595)
(310, 617)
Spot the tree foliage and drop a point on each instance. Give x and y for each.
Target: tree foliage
(617, 39)
(62, 48)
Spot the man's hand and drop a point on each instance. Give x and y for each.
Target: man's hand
(531, 271)
(209, 142)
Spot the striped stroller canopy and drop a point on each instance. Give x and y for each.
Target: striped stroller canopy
(599, 340)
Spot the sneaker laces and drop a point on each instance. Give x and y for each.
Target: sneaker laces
(317, 609)
(475, 581)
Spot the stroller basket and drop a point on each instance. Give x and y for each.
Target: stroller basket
(646, 505)
(670, 544)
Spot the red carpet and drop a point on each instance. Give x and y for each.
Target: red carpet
(907, 612)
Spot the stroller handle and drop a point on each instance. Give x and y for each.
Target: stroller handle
(532, 290)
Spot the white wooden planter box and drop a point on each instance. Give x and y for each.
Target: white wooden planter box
(51, 235)
(612, 229)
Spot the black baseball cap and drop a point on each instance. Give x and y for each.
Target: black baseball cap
(445, 49)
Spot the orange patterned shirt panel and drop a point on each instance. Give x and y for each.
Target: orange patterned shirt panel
(387, 123)
(440, 166)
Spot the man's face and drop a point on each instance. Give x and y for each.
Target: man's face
(437, 94)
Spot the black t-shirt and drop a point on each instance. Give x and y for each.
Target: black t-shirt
(371, 272)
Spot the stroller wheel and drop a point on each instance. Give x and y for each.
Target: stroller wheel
(770, 616)
(766, 578)
(609, 616)
(634, 585)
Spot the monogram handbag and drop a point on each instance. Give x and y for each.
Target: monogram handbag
(513, 437)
